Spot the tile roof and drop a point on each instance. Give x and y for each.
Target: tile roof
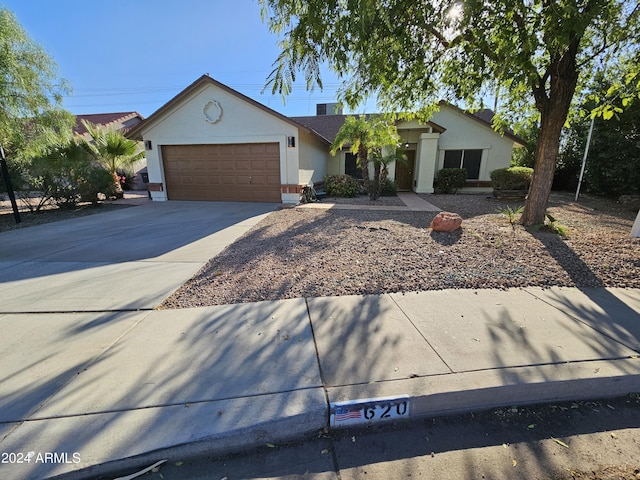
(327, 126)
(103, 119)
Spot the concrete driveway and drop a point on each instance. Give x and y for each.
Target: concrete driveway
(128, 259)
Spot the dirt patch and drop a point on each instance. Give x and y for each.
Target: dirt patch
(29, 219)
(310, 253)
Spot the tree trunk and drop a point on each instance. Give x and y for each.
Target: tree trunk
(363, 158)
(554, 109)
(545, 165)
(384, 173)
(375, 185)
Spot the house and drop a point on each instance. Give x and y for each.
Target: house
(210, 142)
(122, 121)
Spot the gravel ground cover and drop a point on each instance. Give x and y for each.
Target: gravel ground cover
(364, 200)
(309, 253)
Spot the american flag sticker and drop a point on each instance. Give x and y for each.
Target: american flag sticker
(343, 414)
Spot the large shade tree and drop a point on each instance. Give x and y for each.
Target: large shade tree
(30, 99)
(31, 91)
(408, 53)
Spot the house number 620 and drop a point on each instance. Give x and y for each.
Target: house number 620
(387, 411)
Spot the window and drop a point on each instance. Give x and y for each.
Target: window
(467, 159)
(351, 165)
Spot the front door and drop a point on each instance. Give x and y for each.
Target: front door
(404, 171)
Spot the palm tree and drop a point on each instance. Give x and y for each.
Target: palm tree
(366, 136)
(112, 150)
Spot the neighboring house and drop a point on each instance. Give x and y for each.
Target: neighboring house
(120, 121)
(123, 121)
(210, 142)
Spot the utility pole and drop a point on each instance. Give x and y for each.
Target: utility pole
(584, 158)
(7, 182)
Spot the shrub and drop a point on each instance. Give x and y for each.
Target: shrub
(127, 178)
(450, 180)
(96, 180)
(66, 175)
(341, 186)
(512, 178)
(389, 189)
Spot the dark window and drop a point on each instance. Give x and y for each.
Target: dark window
(351, 165)
(453, 159)
(467, 159)
(471, 161)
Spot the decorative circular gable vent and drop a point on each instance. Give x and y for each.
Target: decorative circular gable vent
(212, 111)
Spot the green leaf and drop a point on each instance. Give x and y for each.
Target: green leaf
(560, 442)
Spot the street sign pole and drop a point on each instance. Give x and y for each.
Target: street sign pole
(7, 182)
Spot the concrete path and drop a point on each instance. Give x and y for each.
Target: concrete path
(93, 379)
(412, 203)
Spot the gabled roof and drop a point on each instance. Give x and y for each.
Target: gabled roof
(485, 117)
(207, 80)
(103, 119)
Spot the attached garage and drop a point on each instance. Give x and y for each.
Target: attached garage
(212, 143)
(241, 172)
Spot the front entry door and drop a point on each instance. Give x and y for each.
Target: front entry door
(404, 171)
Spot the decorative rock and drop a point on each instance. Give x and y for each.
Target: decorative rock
(446, 222)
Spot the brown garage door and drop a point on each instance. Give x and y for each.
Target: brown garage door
(247, 172)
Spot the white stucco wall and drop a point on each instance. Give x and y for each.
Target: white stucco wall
(466, 133)
(240, 122)
(313, 158)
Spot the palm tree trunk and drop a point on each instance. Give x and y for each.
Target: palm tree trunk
(363, 158)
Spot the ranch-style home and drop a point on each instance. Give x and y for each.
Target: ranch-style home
(210, 142)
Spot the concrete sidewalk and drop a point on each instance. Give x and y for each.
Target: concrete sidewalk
(128, 388)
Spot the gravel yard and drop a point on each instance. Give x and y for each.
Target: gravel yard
(309, 253)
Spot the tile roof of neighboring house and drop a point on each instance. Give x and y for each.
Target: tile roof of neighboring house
(103, 119)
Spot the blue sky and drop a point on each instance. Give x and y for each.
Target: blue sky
(135, 55)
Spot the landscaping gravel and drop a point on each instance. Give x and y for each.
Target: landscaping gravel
(310, 253)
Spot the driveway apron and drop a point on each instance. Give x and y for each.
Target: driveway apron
(128, 259)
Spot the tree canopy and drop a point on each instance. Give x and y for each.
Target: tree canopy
(30, 89)
(529, 54)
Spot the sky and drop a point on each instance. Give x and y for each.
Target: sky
(136, 55)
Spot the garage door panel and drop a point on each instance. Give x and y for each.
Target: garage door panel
(234, 172)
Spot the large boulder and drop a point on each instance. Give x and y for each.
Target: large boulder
(446, 222)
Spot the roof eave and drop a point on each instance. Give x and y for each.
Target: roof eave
(136, 131)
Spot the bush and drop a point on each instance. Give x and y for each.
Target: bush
(450, 180)
(512, 178)
(66, 175)
(389, 189)
(95, 181)
(341, 186)
(127, 178)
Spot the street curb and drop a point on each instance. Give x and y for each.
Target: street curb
(433, 396)
(457, 393)
(127, 441)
